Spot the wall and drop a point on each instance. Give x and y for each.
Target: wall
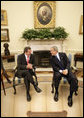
(21, 16)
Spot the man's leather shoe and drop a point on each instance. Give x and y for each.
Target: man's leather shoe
(70, 101)
(37, 89)
(56, 97)
(28, 97)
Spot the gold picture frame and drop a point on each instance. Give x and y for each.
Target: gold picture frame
(81, 25)
(4, 18)
(4, 35)
(44, 14)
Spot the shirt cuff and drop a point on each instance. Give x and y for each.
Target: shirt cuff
(60, 71)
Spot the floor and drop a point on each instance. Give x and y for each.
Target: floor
(17, 105)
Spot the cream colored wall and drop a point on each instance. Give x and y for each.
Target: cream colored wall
(21, 16)
(68, 15)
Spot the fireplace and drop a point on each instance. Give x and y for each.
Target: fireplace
(42, 58)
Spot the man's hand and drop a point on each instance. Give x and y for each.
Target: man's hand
(65, 72)
(29, 66)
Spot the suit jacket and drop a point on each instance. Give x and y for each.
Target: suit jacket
(60, 65)
(22, 63)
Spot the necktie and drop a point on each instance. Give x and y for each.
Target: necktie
(27, 59)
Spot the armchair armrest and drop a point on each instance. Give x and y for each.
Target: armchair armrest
(75, 68)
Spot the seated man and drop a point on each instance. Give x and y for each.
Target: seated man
(61, 68)
(24, 69)
(4, 72)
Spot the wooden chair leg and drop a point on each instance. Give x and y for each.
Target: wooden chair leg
(14, 85)
(3, 85)
(52, 88)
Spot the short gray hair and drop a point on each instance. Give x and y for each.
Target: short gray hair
(55, 48)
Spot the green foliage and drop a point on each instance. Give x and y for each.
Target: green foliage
(44, 33)
(29, 34)
(57, 33)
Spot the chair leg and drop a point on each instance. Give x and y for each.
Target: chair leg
(14, 85)
(52, 88)
(3, 86)
(14, 90)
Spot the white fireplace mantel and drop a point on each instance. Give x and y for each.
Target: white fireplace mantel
(46, 45)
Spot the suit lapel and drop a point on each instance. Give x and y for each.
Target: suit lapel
(25, 59)
(61, 58)
(57, 59)
(59, 62)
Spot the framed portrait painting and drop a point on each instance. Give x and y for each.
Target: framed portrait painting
(4, 35)
(4, 17)
(81, 25)
(44, 14)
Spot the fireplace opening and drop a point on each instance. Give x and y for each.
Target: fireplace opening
(42, 58)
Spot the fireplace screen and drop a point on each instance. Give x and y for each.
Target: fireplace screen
(42, 58)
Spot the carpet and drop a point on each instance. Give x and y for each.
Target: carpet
(79, 74)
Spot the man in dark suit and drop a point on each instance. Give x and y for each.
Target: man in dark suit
(25, 65)
(61, 68)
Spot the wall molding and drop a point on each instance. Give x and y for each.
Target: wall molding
(66, 51)
(74, 50)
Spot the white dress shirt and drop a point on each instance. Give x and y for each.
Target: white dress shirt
(57, 55)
